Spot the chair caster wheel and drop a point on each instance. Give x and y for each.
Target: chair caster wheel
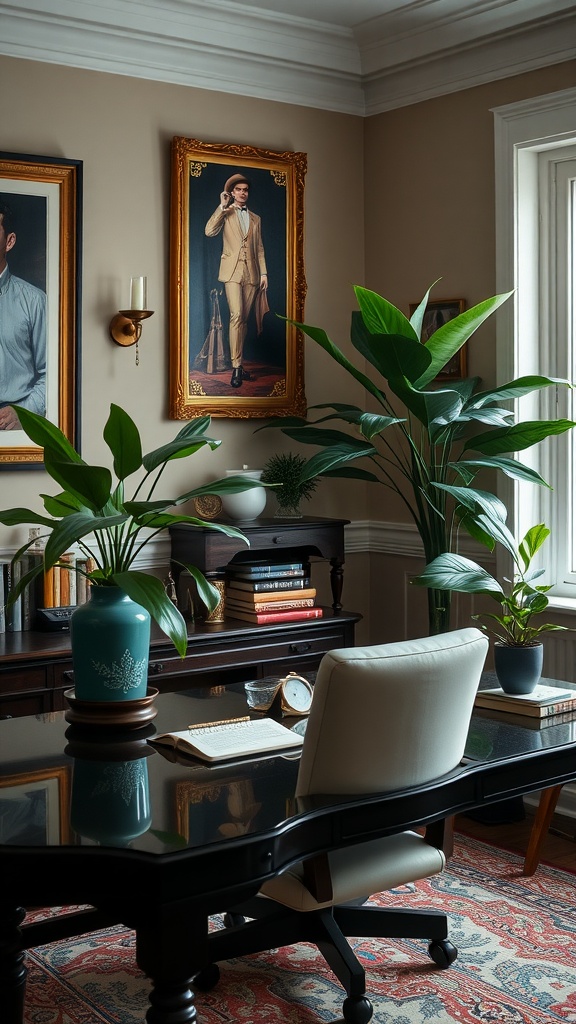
(357, 1011)
(206, 978)
(442, 952)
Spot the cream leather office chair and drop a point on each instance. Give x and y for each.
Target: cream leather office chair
(383, 718)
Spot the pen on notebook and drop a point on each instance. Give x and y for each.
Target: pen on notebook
(225, 721)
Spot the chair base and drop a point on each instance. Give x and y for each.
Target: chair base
(261, 924)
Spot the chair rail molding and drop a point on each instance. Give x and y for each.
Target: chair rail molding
(377, 537)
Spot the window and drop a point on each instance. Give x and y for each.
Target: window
(536, 250)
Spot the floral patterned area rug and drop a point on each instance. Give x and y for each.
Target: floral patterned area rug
(516, 938)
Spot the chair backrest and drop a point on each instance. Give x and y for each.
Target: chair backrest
(391, 716)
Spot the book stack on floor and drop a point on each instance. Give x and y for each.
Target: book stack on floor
(543, 704)
(265, 592)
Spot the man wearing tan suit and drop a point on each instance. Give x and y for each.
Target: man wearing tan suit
(242, 264)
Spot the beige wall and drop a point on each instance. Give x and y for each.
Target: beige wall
(121, 128)
(429, 199)
(408, 194)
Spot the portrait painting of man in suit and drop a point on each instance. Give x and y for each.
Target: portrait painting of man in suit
(242, 278)
(242, 267)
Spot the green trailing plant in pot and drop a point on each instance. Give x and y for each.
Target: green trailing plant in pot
(426, 440)
(94, 503)
(285, 469)
(516, 629)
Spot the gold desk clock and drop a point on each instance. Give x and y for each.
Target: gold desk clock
(295, 694)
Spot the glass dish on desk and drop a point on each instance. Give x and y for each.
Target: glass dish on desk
(261, 692)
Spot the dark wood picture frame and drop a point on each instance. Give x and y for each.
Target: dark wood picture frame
(44, 195)
(438, 313)
(200, 365)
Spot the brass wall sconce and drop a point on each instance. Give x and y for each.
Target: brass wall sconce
(126, 325)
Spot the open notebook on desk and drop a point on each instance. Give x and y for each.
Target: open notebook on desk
(236, 737)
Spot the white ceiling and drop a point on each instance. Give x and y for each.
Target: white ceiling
(355, 56)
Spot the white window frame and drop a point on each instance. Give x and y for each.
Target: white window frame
(528, 338)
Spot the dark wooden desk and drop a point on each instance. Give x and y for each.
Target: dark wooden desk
(36, 668)
(162, 875)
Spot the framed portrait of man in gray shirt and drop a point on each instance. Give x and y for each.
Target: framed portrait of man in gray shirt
(40, 220)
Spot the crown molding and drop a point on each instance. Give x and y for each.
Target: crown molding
(453, 68)
(263, 55)
(416, 51)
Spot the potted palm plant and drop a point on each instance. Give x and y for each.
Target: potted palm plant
(94, 503)
(285, 469)
(517, 633)
(425, 441)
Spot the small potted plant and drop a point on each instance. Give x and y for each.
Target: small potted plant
(94, 503)
(285, 469)
(518, 649)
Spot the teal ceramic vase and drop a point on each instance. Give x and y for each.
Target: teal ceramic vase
(110, 800)
(518, 668)
(110, 638)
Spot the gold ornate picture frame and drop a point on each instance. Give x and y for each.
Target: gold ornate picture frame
(43, 196)
(36, 807)
(273, 351)
(236, 802)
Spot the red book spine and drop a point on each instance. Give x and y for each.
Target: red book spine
(265, 618)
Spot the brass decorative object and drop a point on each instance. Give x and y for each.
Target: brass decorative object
(208, 506)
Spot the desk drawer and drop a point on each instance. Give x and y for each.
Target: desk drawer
(221, 656)
(63, 675)
(17, 705)
(27, 677)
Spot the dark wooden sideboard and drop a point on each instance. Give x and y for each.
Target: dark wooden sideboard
(36, 668)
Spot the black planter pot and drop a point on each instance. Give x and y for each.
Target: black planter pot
(518, 668)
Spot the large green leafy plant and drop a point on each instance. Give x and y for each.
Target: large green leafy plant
(93, 501)
(429, 445)
(520, 600)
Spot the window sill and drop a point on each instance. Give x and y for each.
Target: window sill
(561, 604)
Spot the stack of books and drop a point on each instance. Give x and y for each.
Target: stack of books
(545, 701)
(265, 592)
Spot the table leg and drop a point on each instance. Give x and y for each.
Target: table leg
(336, 583)
(12, 965)
(169, 948)
(171, 1003)
(546, 807)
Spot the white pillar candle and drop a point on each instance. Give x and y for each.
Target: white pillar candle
(138, 293)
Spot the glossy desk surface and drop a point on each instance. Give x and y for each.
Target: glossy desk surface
(75, 777)
(109, 821)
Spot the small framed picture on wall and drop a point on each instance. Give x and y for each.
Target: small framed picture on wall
(437, 314)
